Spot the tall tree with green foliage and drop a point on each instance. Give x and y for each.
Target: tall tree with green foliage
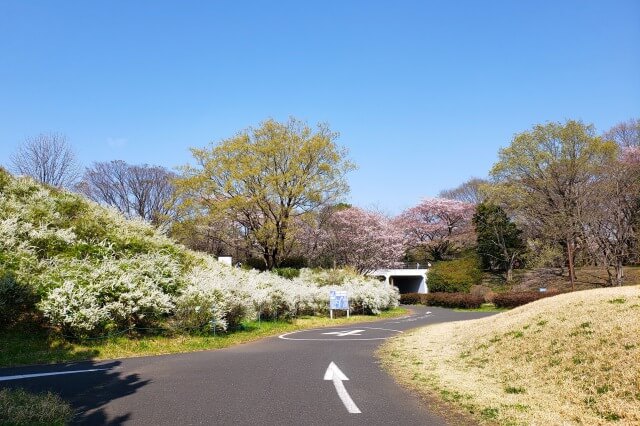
(546, 177)
(500, 243)
(263, 178)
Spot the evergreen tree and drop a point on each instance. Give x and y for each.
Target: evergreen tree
(500, 243)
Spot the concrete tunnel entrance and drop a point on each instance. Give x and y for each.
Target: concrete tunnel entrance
(406, 280)
(407, 284)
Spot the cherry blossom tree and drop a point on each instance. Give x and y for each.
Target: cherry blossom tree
(361, 239)
(439, 225)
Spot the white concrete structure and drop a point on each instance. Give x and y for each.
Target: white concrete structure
(227, 260)
(407, 280)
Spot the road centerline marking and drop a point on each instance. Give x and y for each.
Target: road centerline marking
(346, 333)
(334, 374)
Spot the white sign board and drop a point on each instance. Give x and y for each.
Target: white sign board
(338, 301)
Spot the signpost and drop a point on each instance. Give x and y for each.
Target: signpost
(339, 301)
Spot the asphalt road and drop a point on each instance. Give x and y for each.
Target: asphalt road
(280, 380)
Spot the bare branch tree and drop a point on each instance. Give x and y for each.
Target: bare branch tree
(137, 191)
(611, 227)
(468, 192)
(48, 158)
(625, 134)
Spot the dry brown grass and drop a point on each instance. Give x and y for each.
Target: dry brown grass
(569, 359)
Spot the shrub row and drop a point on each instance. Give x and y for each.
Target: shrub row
(454, 300)
(513, 300)
(445, 300)
(412, 298)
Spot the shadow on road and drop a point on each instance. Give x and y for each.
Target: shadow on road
(87, 392)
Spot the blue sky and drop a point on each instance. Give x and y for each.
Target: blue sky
(423, 93)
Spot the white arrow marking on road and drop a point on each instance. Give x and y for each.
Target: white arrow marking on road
(346, 333)
(333, 373)
(57, 373)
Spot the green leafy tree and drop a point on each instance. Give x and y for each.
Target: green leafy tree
(264, 178)
(500, 243)
(546, 177)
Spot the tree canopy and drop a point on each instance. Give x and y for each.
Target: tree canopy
(499, 240)
(439, 225)
(546, 177)
(263, 178)
(142, 191)
(48, 158)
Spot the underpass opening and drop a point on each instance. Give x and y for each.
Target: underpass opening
(407, 284)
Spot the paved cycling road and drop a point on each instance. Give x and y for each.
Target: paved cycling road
(284, 380)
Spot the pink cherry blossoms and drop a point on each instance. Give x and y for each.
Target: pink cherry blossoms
(362, 239)
(440, 225)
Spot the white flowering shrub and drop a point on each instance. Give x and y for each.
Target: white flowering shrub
(202, 308)
(270, 296)
(76, 309)
(115, 293)
(213, 293)
(371, 296)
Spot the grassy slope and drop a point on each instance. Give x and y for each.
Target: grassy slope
(569, 359)
(24, 348)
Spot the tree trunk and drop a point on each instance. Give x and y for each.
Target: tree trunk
(619, 273)
(572, 272)
(609, 276)
(509, 273)
(268, 259)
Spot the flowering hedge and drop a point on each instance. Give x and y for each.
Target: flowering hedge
(87, 270)
(252, 293)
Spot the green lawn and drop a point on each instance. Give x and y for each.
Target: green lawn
(38, 347)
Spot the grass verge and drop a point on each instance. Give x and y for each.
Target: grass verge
(568, 359)
(18, 407)
(37, 347)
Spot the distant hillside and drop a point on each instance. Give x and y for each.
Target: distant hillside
(568, 359)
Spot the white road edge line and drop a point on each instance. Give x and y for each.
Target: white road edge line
(334, 374)
(57, 373)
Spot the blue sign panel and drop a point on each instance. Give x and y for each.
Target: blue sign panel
(338, 300)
